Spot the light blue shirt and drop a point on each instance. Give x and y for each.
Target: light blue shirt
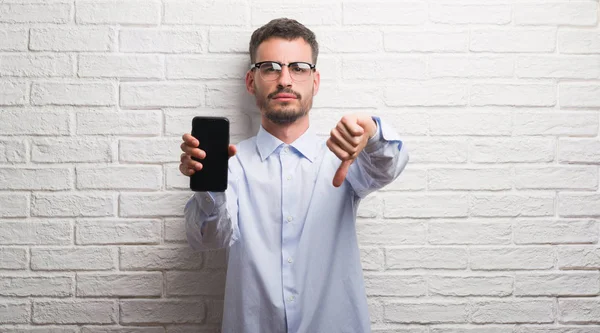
(293, 256)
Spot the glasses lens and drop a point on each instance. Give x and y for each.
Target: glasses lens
(270, 71)
(300, 71)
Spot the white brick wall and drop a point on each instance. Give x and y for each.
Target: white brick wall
(494, 227)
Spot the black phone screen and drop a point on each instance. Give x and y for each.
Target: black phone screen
(213, 135)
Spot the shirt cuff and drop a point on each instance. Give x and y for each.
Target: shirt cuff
(383, 135)
(208, 201)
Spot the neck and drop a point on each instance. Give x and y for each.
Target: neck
(287, 133)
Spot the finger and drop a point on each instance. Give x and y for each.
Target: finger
(339, 152)
(352, 125)
(342, 142)
(353, 140)
(195, 152)
(189, 163)
(232, 150)
(190, 140)
(340, 174)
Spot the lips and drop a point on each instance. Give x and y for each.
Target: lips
(284, 97)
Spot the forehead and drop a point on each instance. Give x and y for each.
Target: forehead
(283, 50)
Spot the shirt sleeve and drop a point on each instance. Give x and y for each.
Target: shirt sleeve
(211, 219)
(382, 160)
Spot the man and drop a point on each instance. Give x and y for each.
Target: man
(288, 215)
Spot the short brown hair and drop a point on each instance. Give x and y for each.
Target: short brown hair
(284, 28)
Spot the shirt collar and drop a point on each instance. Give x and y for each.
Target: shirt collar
(306, 144)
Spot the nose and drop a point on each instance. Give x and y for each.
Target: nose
(285, 78)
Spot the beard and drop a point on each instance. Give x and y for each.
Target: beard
(284, 113)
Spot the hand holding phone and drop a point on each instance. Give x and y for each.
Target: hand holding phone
(205, 154)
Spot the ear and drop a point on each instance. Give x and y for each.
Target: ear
(250, 82)
(316, 82)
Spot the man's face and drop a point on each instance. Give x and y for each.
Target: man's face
(284, 99)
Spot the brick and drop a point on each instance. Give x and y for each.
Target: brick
(75, 312)
(44, 329)
(579, 151)
(36, 179)
(74, 205)
(557, 284)
(205, 283)
(579, 257)
(513, 311)
(368, 207)
(371, 258)
(161, 95)
(39, 122)
(13, 258)
(470, 13)
(470, 66)
(13, 93)
(12, 151)
(179, 121)
(117, 232)
(391, 232)
(513, 150)
(561, 231)
(118, 12)
(469, 179)
(146, 123)
(395, 285)
(425, 205)
(225, 40)
(384, 13)
(175, 230)
(513, 94)
(511, 258)
(475, 329)
(174, 179)
(471, 123)
(411, 179)
(50, 12)
(558, 329)
(378, 67)
(207, 13)
(207, 67)
(33, 65)
(74, 258)
(76, 39)
(555, 124)
(159, 258)
(14, 38)
(425, 258)
(436, 150)
(578, 311)
(580, 13)
(14, 205)
(460, 286)
(347, 96)
(312, 14)
(426, 312)
(31, 286)
(121, 329)
(215, 259)
(531, 40)
(219, 96)
(426, 94)
(120, 177)
(156, 150)
(469, 233)
(162, 311)
(426, 41)
(34, 232)
(71, 150)
(578, 204)
(121, 285)
(349, 40)
(578, 41)
(162, 40)
(561, 177)
(122, 66)
(406, 123)
(512, 205)
(579, 95)
(15, 312)
(563, 67)
(79, 93)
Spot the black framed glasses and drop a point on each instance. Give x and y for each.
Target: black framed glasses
(271, 70)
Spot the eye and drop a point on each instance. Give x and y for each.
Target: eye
(300, 67)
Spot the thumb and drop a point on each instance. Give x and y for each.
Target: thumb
(340, 174)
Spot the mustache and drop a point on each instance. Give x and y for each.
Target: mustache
(284, 91)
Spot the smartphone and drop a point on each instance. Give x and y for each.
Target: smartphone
(213, 135)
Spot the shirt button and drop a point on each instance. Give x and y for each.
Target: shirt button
(290, 260)
(289, 177)
(207, 199)
(286, 150)
(291, 298)
(289, 219)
